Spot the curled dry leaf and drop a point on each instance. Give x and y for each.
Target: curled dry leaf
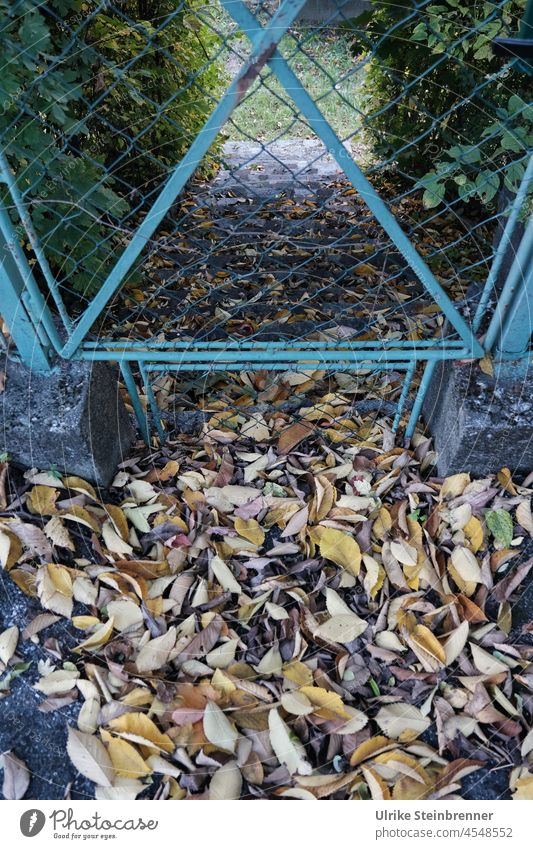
(90, 757)
(287, 747)
(16, 777)
(156, 652)
(456, 642)
(225, 576)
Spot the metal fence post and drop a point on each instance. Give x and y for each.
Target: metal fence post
(517, 326)
(20, 314)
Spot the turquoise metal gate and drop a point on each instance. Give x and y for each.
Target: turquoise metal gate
(352, 273)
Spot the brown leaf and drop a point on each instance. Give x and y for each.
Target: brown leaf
(293, 435)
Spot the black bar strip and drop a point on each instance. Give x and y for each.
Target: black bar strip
(517, 48)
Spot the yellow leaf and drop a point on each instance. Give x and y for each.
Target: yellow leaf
(383, 524)
(465, 566)
(486, 365)
(338, 547)
(118, 520)
(326, 700)
(375, 575)
(250, 530)
(126, 760)
(473, 531)
(61, 578)
(79, 514)
(365, 270)
(54, 585)
(78, 484)
(298, 673)
(505, 480)
(10, 548)
(524, 788)
(41, 500)
(370, 748)
(139, 728)
(454, 485)
(83, 623)
(427, 648)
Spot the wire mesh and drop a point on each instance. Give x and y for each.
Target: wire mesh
(267, 242)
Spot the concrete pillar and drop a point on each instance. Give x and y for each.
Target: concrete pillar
(73, 419)
(481, 423)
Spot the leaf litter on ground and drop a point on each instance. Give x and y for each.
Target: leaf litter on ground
(265, 613)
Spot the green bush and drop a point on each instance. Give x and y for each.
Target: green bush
(158, 104)
(57, 148)
(436, 128)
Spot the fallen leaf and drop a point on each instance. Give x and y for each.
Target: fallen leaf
(8, 643)
(226, 782)
(16, 777)
(218, 729)
(90, 757)
(402, 721)
(287, 747)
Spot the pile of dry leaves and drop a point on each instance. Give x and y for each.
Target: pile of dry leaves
(278, 615)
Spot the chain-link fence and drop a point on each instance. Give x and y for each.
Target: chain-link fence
(214, 192)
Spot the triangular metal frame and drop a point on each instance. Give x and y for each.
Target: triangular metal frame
(265, 42)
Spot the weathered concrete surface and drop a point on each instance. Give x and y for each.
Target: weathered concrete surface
(296, 167)
(480, 423)
(74, 419)
(36, 735)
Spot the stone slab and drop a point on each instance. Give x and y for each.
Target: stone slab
(73, 420)
(480, 423)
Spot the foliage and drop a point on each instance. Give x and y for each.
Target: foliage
(439, 100)
(50, 94)
(212, 599)
(35, 122)
(156, 68)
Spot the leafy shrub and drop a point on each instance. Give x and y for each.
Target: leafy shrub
(38, 111)
(57, 148)
(456, 126)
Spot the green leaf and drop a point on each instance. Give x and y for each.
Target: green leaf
(500, 524)
(433, 195)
